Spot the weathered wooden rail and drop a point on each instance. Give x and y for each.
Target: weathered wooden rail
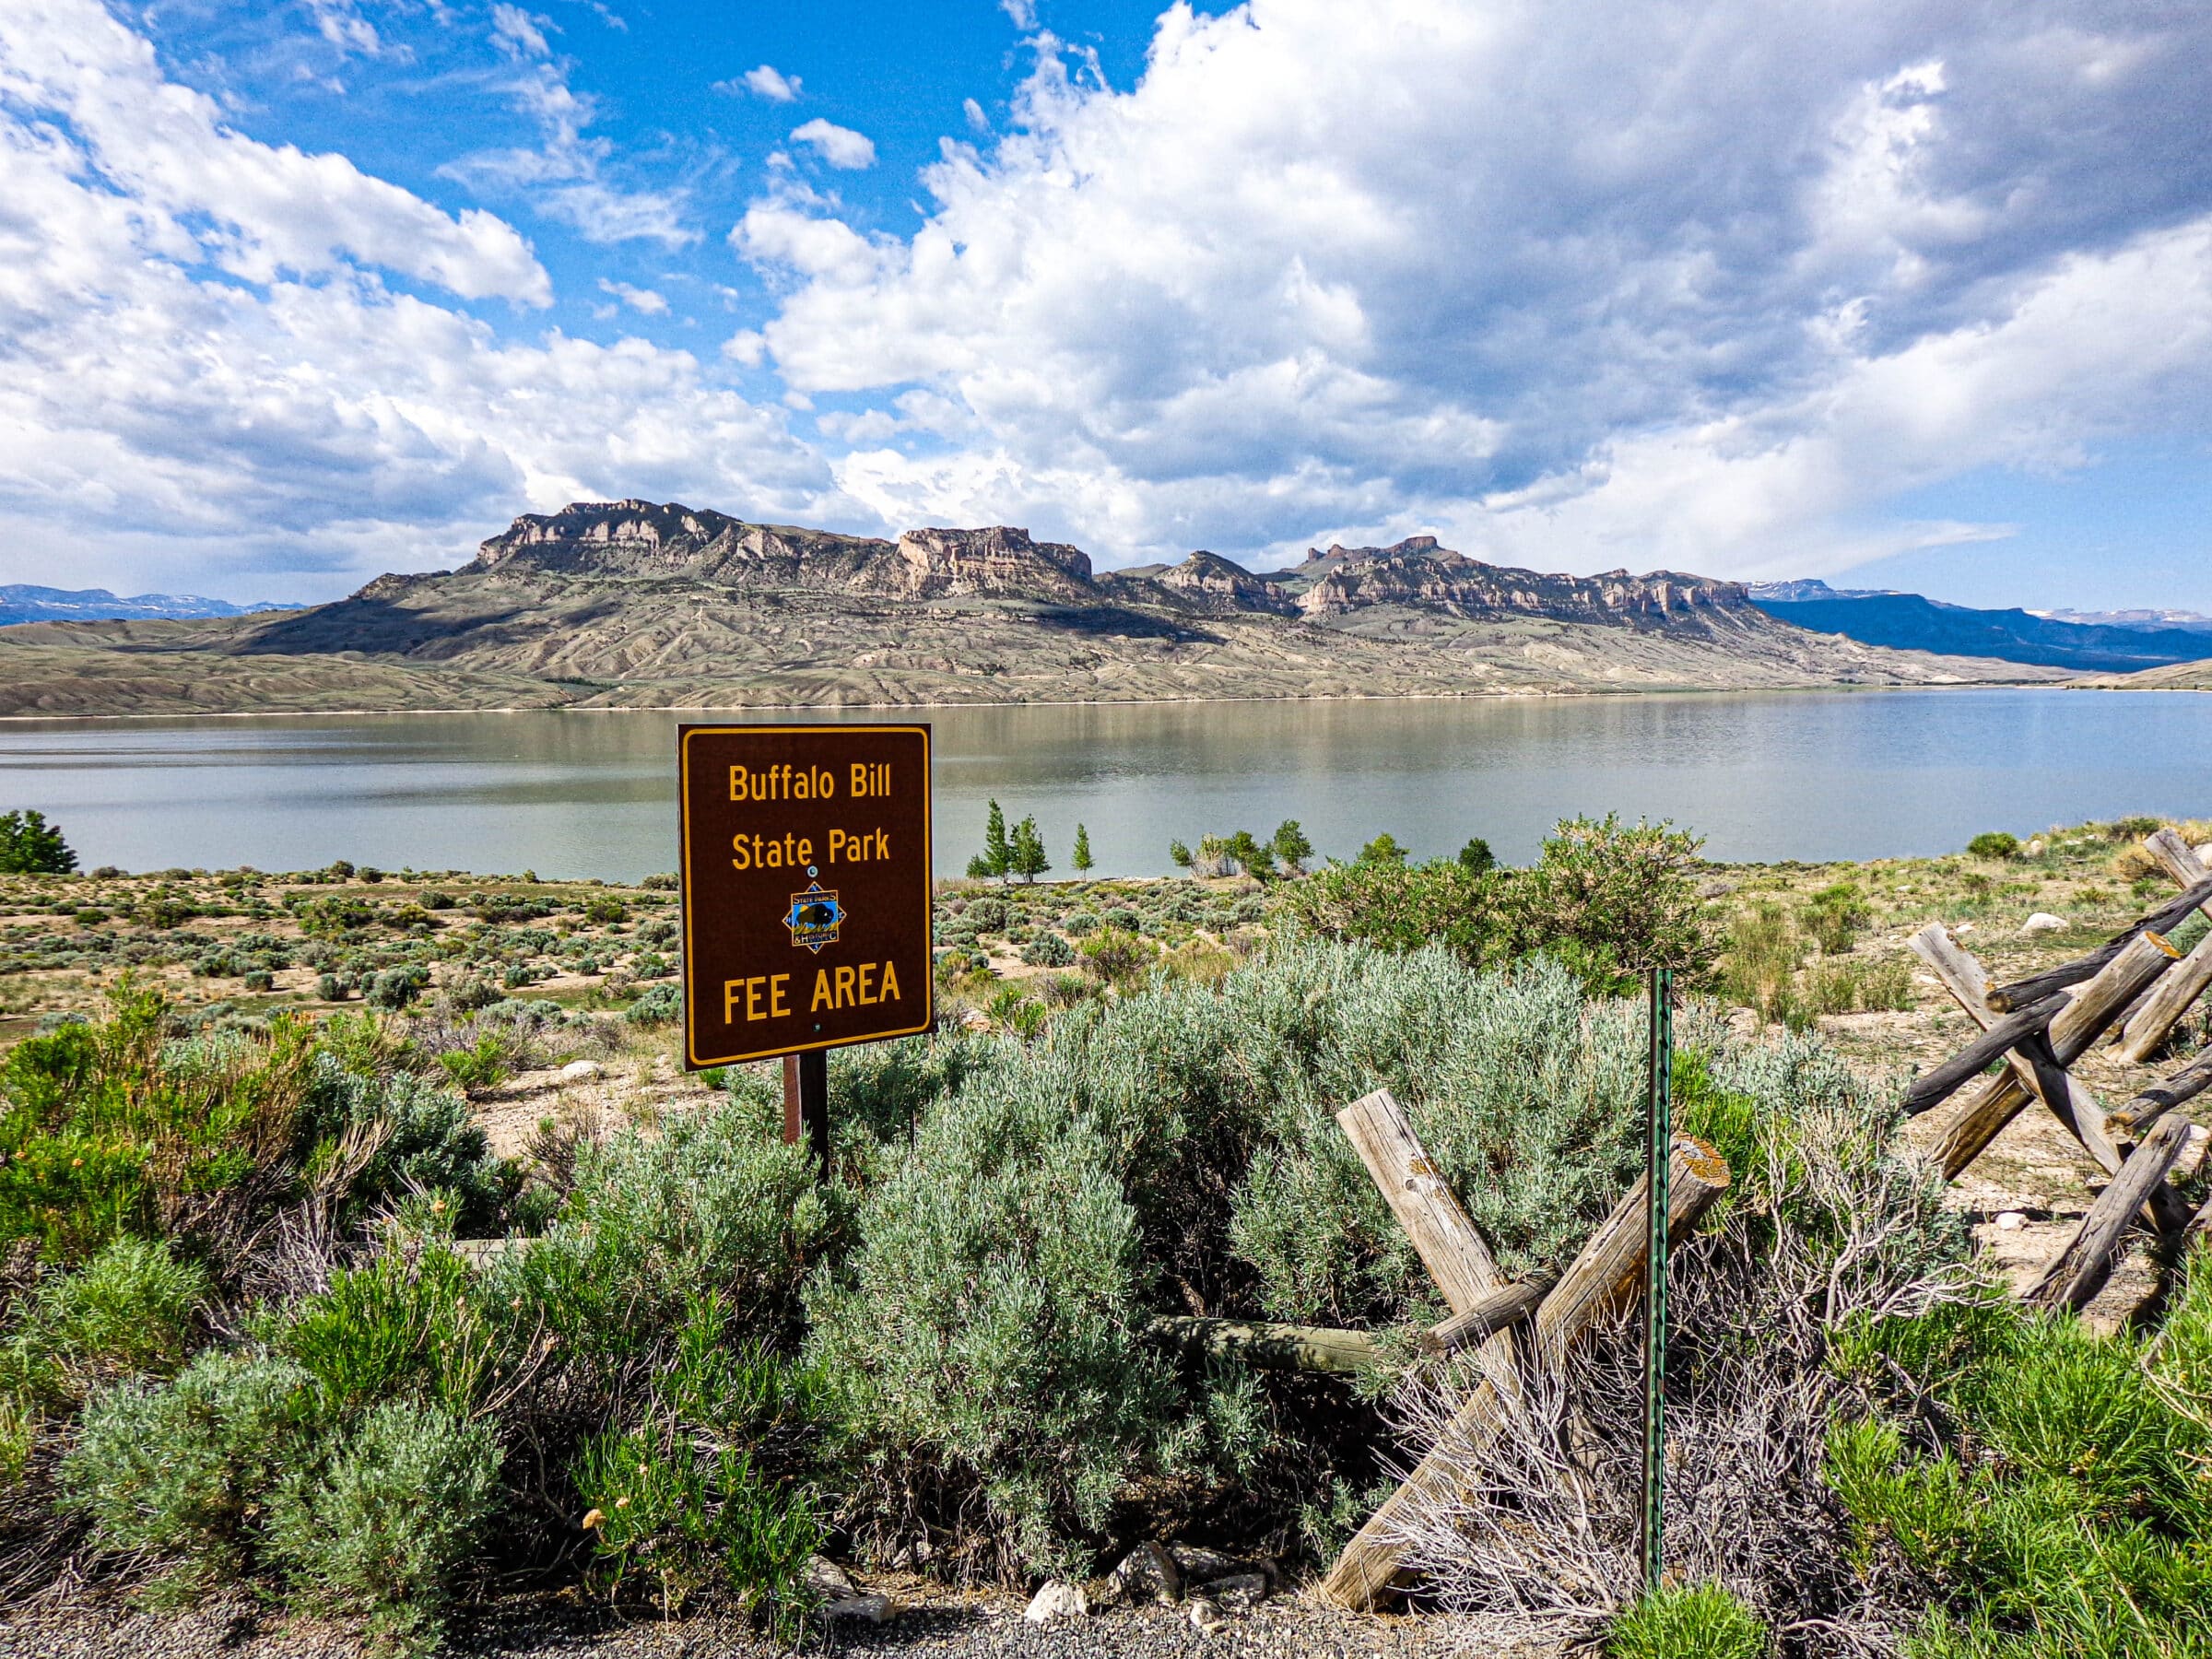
(2135, 987)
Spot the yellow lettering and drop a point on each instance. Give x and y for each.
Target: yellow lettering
(822, 998)
(860, 780)
(890, 985)
(737, 783)
(775, 996)
(844, 986)
(837, 838)
(731, 991)
(752, 998)
(805, 852)
(868, 988)
(744, 861)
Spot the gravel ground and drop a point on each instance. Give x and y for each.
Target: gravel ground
(947, 1627)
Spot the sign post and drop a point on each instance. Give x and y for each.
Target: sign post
(807, 865)
(1658, 1159)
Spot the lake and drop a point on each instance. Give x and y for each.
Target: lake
(1805, 776)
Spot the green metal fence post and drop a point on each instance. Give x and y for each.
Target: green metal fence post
(1658, 1154)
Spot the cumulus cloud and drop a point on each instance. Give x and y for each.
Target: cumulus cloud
(767, 81)
(1668, 279)
(638, 298)
(209, 377)
(840, 146)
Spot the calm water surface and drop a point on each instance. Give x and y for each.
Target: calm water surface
(1808, 775)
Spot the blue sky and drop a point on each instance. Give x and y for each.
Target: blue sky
(1910, 294)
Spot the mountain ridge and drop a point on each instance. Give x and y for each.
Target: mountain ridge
(659, 604)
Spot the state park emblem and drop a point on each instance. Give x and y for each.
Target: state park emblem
(814, 917)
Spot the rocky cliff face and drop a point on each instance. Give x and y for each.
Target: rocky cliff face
(947, 563)
(1212, 582)
(1417, 572)
(644, 540)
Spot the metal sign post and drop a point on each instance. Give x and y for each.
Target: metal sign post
(1658, 1157)
(806, 898)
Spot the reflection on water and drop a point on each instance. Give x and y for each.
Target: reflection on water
(1761, 775)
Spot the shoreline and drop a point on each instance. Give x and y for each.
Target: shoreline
(1092, 702)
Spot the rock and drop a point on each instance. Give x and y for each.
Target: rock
(2043, 922)
(1239, 1593)
(1057, 1600)
(975, 1019)
(828, 1580)
(1963, 927)
(1205, 1617)
(2034, 849)
(2011, 1221)
(1199, 1564)
(1147, 1573)
(868, 1609)
(1715, 888)
(579, 1071)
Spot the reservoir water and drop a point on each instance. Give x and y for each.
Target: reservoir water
(1805, 776)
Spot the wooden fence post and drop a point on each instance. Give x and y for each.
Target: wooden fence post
(1602, 1278)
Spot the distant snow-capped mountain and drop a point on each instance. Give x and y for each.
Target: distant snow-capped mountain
(25, 602)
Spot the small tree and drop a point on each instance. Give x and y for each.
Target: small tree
(1257, 860)
(1026, 856)
(1080, 858)
(1383, 848)
(1292, 850)
(1179, 855)
(998, 852)
(30, 846)
(1476, 855)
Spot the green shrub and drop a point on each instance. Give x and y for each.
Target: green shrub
(1835, 916)
(982, 1338)
(385, 1527)
(1115, 956)
(112, 1129)
(483, 1064)
(1760, 968)
(1688, 1621)
(132, 1311)
(1397, 906)
(180, 1469)
(661, 1005)
(1050, 950)
(1997, 844)
(663, 1513)
(404, 1324)
(716, 1205)
(1614, 899)
(2065, 1507)
(426, 1140)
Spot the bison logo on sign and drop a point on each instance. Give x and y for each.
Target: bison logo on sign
(814, 917)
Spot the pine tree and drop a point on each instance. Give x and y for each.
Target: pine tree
(30, 846)
(1476, 856)
(1028, 860)
(1080, 858)
(998, 854)
(1291, 848)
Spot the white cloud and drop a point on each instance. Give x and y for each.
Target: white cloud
(638, 298)
(566, 175)
(977, 121)
(1597, 286)
(767, 81)
(840, 146)
(518, 33)
(210, 386)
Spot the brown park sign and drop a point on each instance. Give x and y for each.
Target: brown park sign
(807, 887)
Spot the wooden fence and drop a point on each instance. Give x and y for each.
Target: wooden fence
(2135, 988)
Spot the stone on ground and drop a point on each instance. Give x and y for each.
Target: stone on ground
(1147, 1573)
(1057, 1599)
(2044, 921)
